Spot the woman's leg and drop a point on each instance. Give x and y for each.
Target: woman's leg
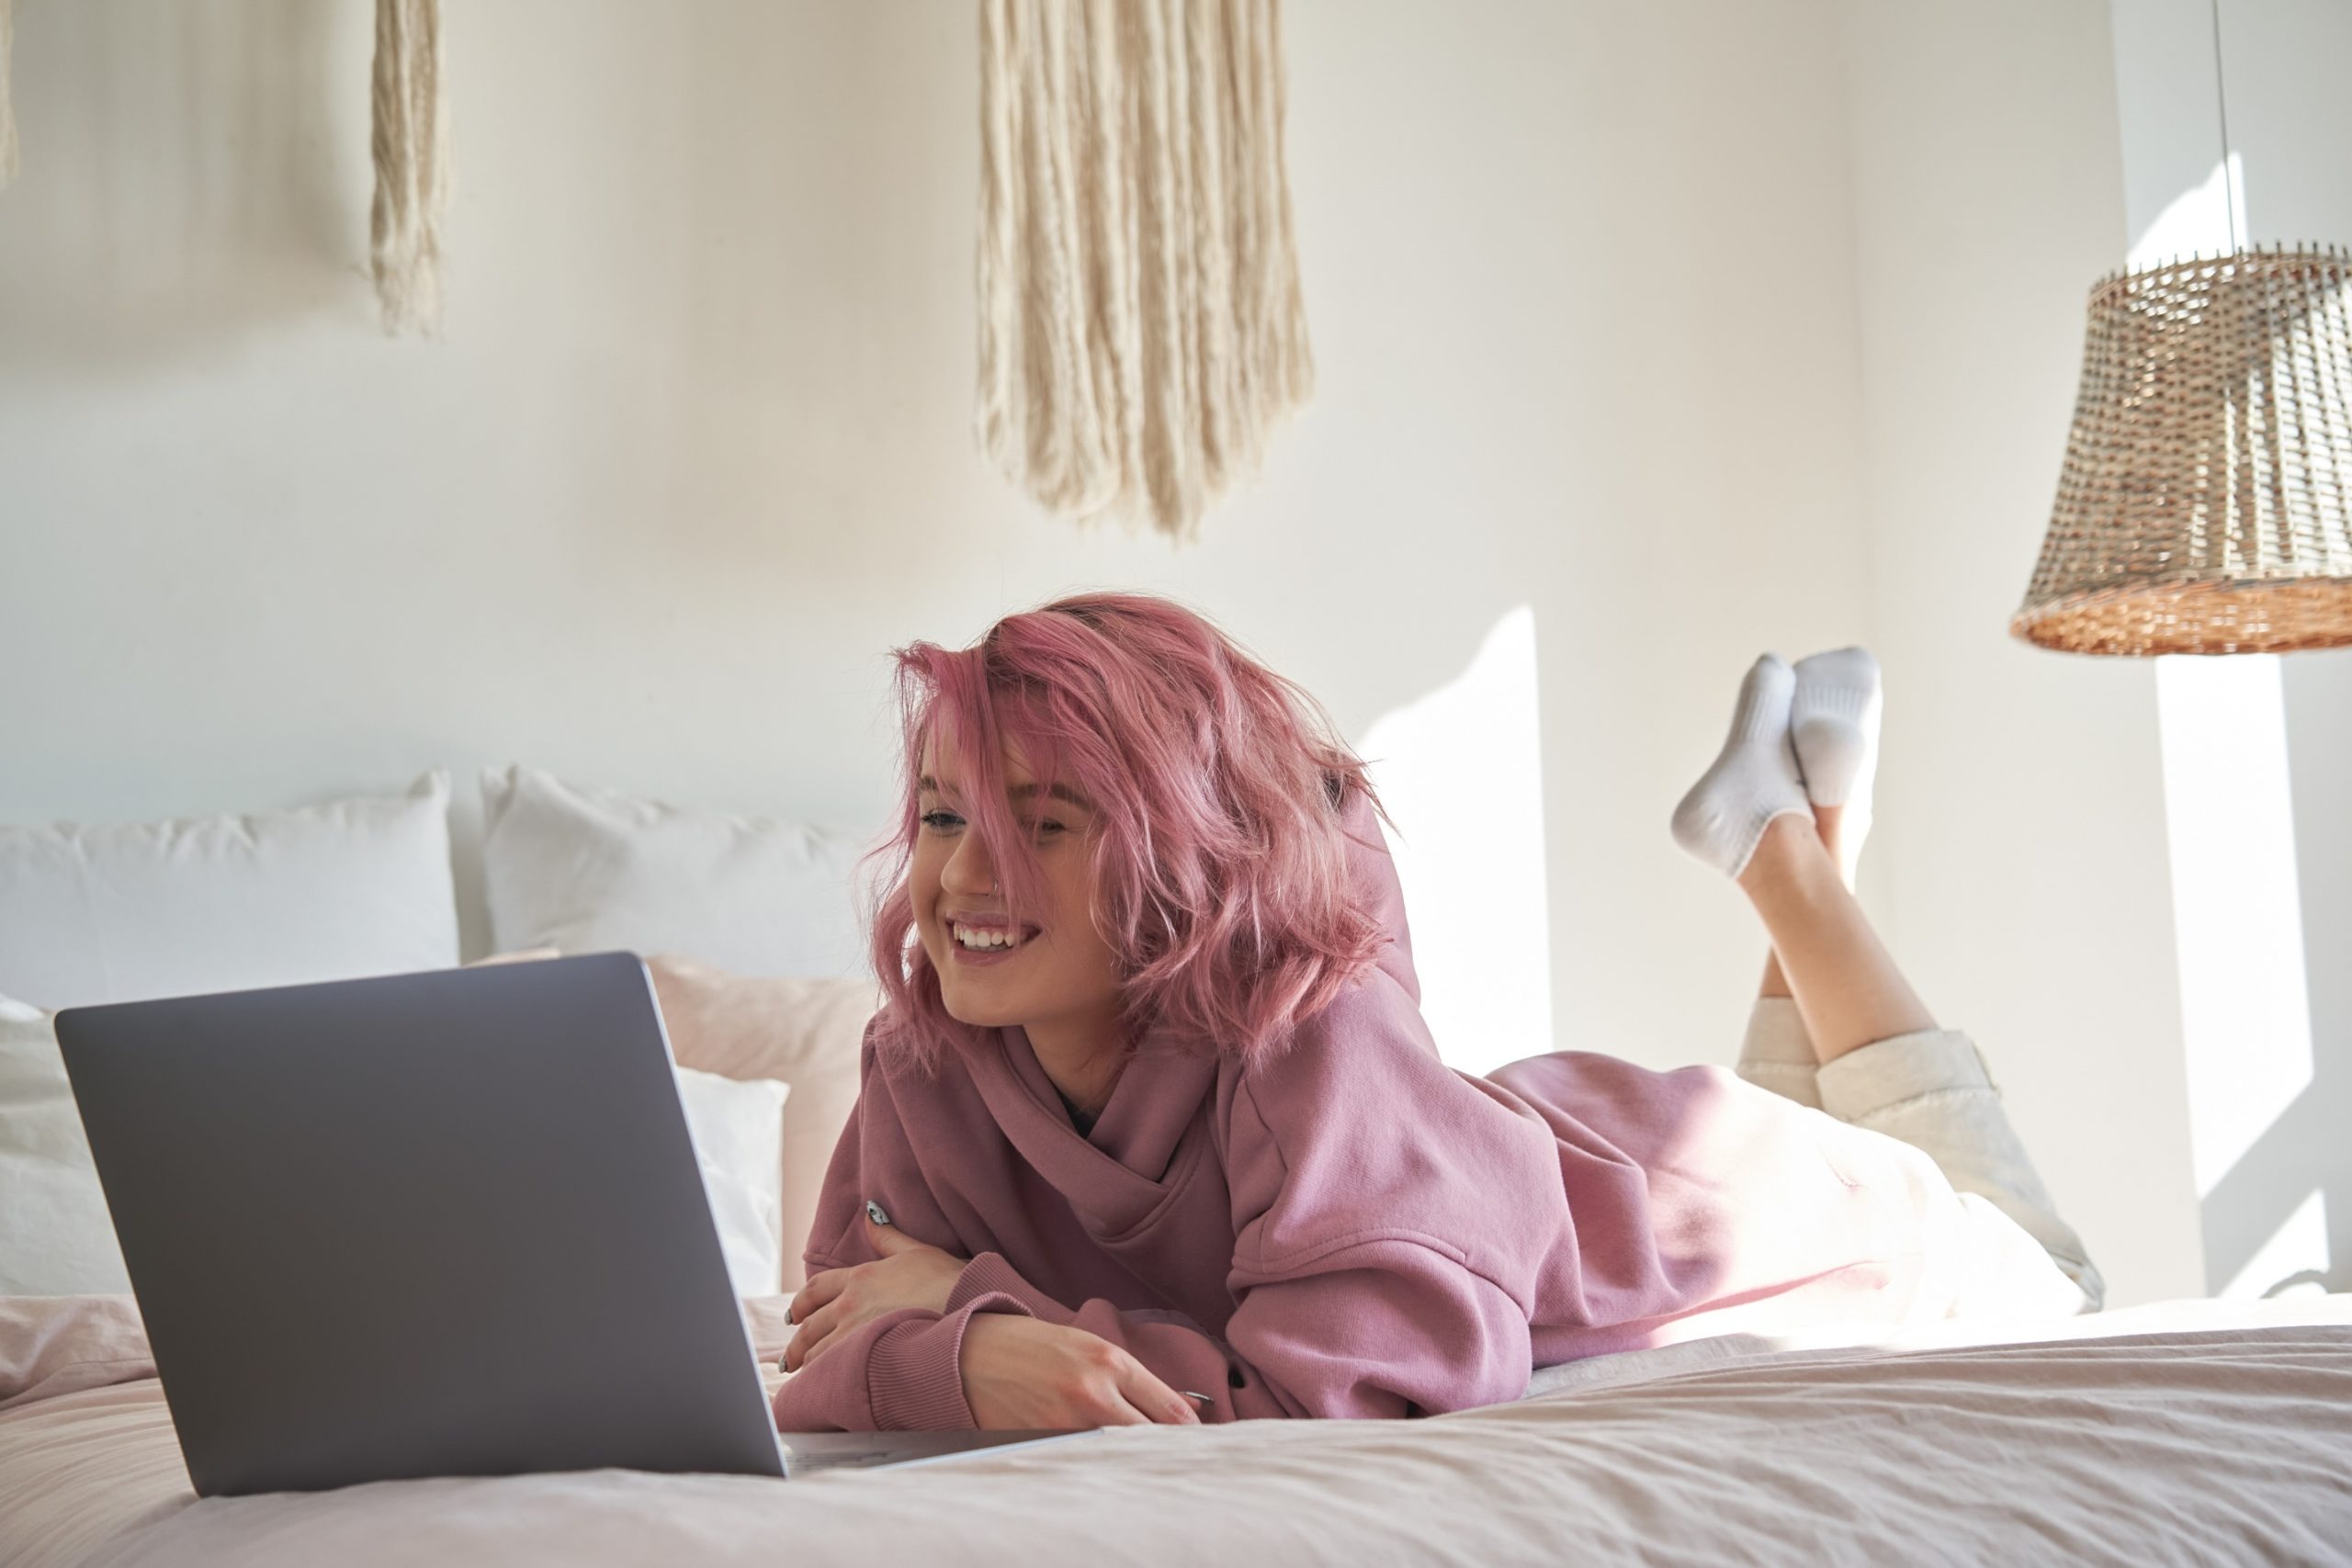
(1829, 822)
(1776, 1053)
(1843, 981)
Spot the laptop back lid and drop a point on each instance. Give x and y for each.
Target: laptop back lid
(447, 1223)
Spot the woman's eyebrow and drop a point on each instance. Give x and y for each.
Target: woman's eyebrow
(1059, 791)
(1019, 791)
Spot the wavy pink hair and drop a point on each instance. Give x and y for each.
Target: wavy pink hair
(1219, 866)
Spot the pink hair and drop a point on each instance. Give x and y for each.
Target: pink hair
(1219, 866)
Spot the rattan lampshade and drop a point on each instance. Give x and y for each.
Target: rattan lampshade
(2206, 502)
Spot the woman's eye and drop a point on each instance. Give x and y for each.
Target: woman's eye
(941, 821)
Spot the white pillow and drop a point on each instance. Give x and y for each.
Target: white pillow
(55, 1238)
(738, 1126)
(117, 914)
(587, 871)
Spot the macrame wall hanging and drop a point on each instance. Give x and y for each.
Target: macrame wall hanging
(1141, 330)
(410, 143)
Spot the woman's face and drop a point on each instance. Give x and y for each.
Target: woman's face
(1055, 977)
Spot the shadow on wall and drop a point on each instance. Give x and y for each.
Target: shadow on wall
(1461, 775)
(207, 166)
(2278, 1219)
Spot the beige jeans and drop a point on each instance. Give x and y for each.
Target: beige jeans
(1931, 1091)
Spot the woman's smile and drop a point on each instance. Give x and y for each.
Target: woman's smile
(987, 942)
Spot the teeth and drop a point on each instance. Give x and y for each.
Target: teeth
(984, 938)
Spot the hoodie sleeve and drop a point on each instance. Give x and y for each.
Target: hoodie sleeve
(1387, 1329)
(1383, 1330)
(899, 1371)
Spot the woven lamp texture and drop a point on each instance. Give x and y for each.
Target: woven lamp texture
(2206, 502)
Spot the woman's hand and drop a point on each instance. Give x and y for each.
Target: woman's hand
(909, 1273)
(1021, 1373)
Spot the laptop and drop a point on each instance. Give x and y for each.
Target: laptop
(444, 1224)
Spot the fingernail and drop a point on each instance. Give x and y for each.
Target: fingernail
(874, 1212)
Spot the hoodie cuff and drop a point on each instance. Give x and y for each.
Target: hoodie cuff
(914, 1373)
(991, 1272)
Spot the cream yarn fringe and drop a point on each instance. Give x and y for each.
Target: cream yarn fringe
(1141, 330)
(411, 148)
(8, 112)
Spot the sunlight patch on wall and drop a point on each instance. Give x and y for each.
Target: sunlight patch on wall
(2237, 907)
(1461, 772)
(2196, 221)
(2294, 1262)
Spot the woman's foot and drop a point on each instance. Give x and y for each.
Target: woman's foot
(1752, 781)
(1834, 719)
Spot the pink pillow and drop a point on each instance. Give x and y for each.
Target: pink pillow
(808, 1032)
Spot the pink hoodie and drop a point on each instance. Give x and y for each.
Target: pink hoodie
(1351, 1228)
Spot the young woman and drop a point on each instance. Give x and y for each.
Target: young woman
(1151, 1129)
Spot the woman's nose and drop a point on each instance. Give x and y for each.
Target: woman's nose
(970, 870)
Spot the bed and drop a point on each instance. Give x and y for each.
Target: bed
(2196, 1432)
(2191, 1432)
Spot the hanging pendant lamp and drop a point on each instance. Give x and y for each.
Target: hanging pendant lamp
(2206, 502)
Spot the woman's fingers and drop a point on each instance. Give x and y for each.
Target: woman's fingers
(1157, 1402)
(811, 1335)
(822, 1288)
(1120, 1413)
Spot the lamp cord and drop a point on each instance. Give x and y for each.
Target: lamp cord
(2221, 102)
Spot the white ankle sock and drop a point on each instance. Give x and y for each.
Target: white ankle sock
(1753, 780)
(1834, 724)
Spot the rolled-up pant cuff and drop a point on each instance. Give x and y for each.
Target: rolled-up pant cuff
(1932, 1091)
(1777, 1054)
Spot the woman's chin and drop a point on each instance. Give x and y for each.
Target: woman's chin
(974, 1012)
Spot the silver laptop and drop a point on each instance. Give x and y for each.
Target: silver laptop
(447, 1223)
